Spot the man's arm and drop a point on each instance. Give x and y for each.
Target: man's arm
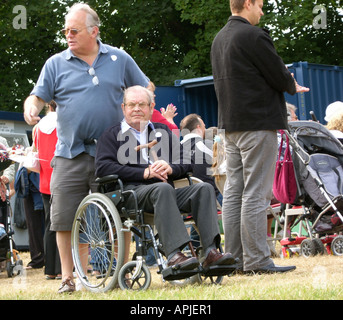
(33, 105)
(272, 66)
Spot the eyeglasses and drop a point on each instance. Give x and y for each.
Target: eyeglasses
(74, 32)
(141, 105)
(95, 79)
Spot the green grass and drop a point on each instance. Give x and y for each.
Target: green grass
(316, 278)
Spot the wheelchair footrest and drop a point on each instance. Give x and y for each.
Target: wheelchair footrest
(170, 273)
(218, 270)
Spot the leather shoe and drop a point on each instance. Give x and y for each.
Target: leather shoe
(181, 262)
(215, 258)
(272, 268)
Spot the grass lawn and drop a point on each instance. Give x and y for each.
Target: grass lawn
(316, 278)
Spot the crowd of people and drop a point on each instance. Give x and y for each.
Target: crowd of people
(97, 93)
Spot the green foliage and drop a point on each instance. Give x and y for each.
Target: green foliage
(24, 50)
(169, 39)
(296, 39)
(151, 31)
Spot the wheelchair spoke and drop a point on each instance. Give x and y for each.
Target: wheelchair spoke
(96, 227)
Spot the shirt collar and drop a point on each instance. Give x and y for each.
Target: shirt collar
(125, 126)
(102, 49)
(239, 18)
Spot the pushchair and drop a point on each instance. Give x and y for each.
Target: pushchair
(8, 252)
(318, 208)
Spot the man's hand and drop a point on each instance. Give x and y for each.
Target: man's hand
(300, 88)
(160, 169)
(32, 107)
(169, 113)
(3, 191)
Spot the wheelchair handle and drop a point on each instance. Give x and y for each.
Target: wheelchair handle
(149, 146)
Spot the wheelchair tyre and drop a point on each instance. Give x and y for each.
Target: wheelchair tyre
(198, 278)
(97, 238)
(195, 239)
(129, 280)
(216, 280)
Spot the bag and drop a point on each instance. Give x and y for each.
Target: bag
(31, 161)
(19, 217)
(284, 186)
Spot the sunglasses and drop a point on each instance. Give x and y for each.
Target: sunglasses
(95, 79)
(74, 32)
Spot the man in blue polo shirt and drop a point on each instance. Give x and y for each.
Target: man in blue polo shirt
(87, 82)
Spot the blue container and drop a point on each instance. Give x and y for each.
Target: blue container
(199, 97)
(326, 84)
(166, 95)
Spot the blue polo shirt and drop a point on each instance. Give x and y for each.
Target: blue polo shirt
(87, 102)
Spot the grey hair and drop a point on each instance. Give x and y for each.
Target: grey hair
(149, 93)
(92, 19)
(291, 107)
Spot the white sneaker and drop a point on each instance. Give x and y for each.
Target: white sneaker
(79, 286)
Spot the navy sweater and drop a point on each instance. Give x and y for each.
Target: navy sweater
(115, 154)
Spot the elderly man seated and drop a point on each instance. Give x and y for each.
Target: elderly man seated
(151, 171)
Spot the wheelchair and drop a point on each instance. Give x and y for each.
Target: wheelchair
(98, 242)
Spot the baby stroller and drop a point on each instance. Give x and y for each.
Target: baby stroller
(7, 246)
(318, 158)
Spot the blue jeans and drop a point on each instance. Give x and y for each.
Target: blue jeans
(251, 158)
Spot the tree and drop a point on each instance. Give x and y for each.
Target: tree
(306, 30)
(291, 25)
(169, 39)
(152, 32)
(28, 39)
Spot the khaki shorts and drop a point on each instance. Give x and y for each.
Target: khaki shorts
(71, 181)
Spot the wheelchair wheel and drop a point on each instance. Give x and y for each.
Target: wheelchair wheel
(134, 275)
(216, 280)
(187, 251)
(198, 278)
(98, 242)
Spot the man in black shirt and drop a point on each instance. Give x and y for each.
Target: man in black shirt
(250, 80)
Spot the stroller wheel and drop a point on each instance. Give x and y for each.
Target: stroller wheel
(337, 246)
(320, 249)
(308, 248)
(9, 268)
(287, 253)
(12, 268)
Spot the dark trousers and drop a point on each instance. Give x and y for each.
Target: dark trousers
(166, 203)
(35, 227)
(52, 257)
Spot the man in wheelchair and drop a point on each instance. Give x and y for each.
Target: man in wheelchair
(148, 157)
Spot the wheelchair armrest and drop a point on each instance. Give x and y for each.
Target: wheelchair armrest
(107, 179)
(186, 181)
